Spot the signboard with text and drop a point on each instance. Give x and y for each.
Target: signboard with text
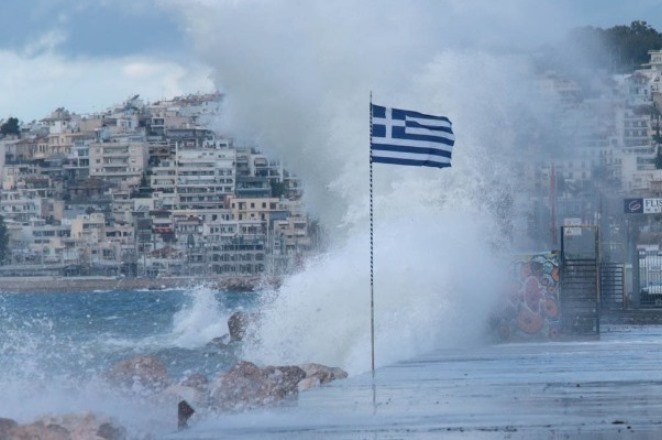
(643, 206)
(568, 230)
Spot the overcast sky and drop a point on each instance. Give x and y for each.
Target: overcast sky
(89, 54)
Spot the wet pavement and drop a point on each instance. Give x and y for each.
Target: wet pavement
(604, 389)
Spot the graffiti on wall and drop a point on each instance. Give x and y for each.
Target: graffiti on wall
(530, 307)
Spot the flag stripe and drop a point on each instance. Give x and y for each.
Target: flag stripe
(444, 135)
(411, 122)
(401, 133)
(403, 114)
(409, 143)
(429, 122)
(408, 156)
(414, 125)
(415, 150)
(412, 162)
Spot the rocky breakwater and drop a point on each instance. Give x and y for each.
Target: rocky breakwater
(67, 427)
(247, 386)
(244, 386)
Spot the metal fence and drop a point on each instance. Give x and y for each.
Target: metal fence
(650, 279)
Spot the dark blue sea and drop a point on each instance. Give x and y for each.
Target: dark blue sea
(83, 333)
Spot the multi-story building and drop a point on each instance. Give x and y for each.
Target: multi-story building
(634, 128)
(145, 190)
(200, 178)
(118, 160)
(253, 208)
(20, 206)
(90, 228)
(77, 163)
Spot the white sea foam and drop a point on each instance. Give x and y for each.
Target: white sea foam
(435, 282)
(301, 91)
(199, 321)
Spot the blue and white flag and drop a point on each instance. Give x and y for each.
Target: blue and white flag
(405, 137)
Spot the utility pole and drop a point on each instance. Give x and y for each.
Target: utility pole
(552, 205)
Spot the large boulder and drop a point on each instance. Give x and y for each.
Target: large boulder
(308, 382)
(197, 380)
(323, 373)
(140, 373)
(247, 386)
(85, 426)
(219, 343)
(38, 430)
(238, 325)
(285, 379)
(194, 389)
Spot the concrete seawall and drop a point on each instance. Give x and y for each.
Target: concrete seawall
(80, 284)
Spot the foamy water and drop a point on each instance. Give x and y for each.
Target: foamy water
(301, 92)
(435, 285)
(200, 321)
(56, 349)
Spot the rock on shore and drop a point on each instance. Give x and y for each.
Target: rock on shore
(85, 426)
(140, 373)
(248, 386)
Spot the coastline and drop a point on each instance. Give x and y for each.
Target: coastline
(47, 284)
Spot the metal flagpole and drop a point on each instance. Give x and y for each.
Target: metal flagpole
(372, 278)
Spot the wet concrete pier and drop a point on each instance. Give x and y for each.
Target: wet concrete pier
(609, 388)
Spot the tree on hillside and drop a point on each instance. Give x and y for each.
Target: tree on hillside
(630, 44)
(10, 127)
(616, 49)
(4, 241)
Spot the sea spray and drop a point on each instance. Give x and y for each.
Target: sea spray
(200, 320)
(56, 350)
(434, 287)
(441, 236)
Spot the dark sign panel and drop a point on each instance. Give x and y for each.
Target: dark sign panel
(634, 206)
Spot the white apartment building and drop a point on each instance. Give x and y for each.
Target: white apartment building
(21, 207)
(120, 160)
(292, 231)
(253, 209)
(88, 228)
(50, 244)
(77, 163)
(634, 128)
(13, 175)
(199, 178)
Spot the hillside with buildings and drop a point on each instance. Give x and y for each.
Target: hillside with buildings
(605, 147)
(146, 189)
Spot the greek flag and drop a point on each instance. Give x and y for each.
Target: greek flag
(405, 137)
